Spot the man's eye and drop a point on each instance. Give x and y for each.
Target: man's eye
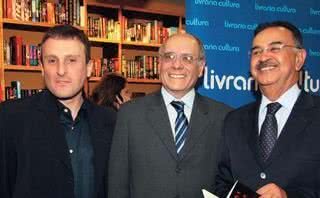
(256, 52)
(188, 59)
(71, 60)
(169, 56)
(274, 49)
(51, 61)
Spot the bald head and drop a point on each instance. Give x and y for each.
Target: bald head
(185, 36)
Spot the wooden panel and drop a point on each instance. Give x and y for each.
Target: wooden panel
(29, 80)
(28, 36)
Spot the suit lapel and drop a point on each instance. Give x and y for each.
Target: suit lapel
(100, 135)
(52, 130)
(250, 128)
(198, 123)
(299, 118)
(157, 116)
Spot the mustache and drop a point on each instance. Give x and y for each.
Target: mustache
(266, 63)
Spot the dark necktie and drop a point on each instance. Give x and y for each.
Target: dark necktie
(181, 125)
(269, 131)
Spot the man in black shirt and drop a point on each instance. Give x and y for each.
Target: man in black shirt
(56, 144)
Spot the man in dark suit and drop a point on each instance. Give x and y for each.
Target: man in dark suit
(56, 144)
(272, 145)
(163, 148)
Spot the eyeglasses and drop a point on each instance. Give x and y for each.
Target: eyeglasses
(273, 48)
(185, 59)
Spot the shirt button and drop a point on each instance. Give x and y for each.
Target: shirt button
(72, 128)
(263, 175)
(65, 110)
(70, 151)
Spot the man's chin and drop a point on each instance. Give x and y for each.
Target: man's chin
(64, 96)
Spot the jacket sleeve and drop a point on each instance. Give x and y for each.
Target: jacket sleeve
(224, 178)
(7, 157)
(118, 182)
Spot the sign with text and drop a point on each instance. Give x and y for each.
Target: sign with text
(226, 30)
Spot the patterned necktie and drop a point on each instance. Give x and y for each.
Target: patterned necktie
(269, 131)
(181, 125)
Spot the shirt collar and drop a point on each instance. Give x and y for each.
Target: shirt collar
(287, 100)
(186, 99)
(82, 111)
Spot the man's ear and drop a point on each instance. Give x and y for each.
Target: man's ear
(89, 68)
(201, 65)
(41, 66)
(300, 58)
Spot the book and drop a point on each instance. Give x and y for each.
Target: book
(238, 190)
(16, 86)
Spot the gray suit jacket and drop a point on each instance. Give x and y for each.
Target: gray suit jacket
(143, 160)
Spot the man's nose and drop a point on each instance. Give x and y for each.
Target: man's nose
(61, 69)
(177, 63)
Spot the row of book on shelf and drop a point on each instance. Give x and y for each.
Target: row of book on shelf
(140, 67)
(56, 12)
(18, 53)
(102, 27)
(146, 31)
(15, 92)
(135, 30)
(102, 66)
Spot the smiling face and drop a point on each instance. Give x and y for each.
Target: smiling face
(276, 70)
(180, 74)
(64, 67)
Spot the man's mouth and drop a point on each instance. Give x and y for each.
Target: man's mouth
(177, 75)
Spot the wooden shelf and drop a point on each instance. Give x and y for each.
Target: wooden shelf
(29, 23)
(170, 13)
(153, 11)
(141, 44)
(130, 80)
(103, 40)
(103, 5)
(22, 68)
(136, 80)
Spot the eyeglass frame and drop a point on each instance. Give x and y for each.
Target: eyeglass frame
(274, 48)
(181, 56)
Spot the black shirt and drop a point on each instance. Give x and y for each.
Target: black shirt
(77, 133)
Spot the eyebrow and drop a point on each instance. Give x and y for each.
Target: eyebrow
(272, 43)
(67, 56)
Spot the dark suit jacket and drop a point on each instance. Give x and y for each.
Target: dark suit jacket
(294, 162)
(34, 159)
(143, 160)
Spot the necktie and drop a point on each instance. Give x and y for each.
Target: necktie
(181, 125)
(269, 131)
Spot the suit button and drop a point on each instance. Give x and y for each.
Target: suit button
(263, 175)
(178, 170)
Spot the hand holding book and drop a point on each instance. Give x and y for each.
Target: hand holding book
(238, 190)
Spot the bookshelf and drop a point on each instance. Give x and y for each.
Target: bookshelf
(106, 23)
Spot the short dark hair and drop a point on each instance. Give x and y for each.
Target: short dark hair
(289, 26)
(109, 86)
(68, 32)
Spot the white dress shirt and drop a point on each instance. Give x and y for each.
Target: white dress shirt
(287, 101)
(187, 99)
